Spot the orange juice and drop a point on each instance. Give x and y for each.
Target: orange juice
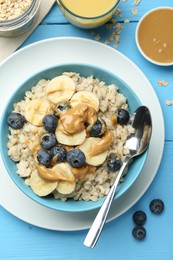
(88, 13)
(89, 8)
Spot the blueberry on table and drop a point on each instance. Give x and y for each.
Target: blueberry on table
(98, 128)
(16, 120)
(49, 122)
(123, 116)
(58, 154)
(76, 158)
(156, 206)
(48, 140)
(139, 218)
(139, 232)
(43, 157)
(113, 163)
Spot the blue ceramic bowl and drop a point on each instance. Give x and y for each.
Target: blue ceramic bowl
(85, 70)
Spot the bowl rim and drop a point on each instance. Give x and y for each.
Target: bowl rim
(136, 37)
(41, 200)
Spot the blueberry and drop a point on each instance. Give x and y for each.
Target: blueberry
(58, 154)
(43, 157)
(123, 116)
(76, 158)
(49, 122)
(62, 108)
(139, 232)
(48, 140)
(113, 164)
(98, 128)
(156, 206)
(16, 120)
(139, 218)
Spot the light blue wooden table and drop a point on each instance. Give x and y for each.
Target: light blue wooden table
(20, 240)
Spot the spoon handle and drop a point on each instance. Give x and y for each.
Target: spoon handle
(97, 226)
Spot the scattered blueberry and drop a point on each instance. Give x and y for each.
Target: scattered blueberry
(58, 154)
(98, 128)
(16, 120)
(49, 122)
(113, 164)
(76, 158)
(48, 140)
(156, 206)
(139, 232)
(43, 157)
(123, 116)
(139, 218)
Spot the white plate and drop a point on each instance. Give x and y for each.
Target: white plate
(34, 57)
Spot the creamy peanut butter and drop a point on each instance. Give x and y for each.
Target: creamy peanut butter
(103, 144)
(74, 119)
(155, 35)
(51, 175)
(113, 120)
(81, 172)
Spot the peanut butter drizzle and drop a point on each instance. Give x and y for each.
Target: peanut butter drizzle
(103, 144)
(74, 119)
(113, 120)
(81, 172)
(51, 175)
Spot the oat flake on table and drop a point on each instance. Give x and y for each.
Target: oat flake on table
(169, 102)
(163, 83)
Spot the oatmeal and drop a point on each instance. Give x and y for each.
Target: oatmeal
(10, 9)
(67, 136)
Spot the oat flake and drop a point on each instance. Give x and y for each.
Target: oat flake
(169, 102)
(136, 2)
(134, 11)
(163, 83)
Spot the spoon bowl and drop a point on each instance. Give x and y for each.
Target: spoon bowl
(137, 143)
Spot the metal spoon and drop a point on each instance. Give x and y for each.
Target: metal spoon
(137, 143)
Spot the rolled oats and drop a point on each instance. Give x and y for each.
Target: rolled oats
(10, 9)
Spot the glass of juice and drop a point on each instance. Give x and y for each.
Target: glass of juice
(88, 13)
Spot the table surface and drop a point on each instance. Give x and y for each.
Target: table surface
(20, 240)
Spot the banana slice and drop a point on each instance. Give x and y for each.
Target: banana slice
(71, 140)
(85, 97)
(60, 89)
(86, 148)
(36, 109)
(65, 170)
(65, 187)
(39, 186)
